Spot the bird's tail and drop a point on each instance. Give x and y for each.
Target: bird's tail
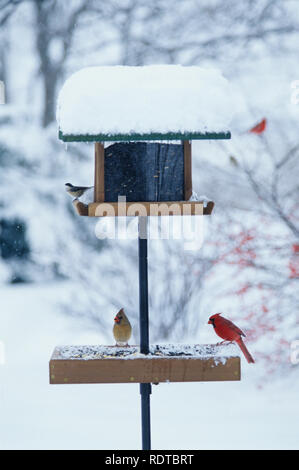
(245, 350)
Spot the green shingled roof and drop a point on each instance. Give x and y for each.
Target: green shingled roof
(138, 137)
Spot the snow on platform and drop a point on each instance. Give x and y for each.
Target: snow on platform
(157, 99)
(204, 351)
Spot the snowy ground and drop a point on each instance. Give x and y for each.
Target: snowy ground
(35, 415)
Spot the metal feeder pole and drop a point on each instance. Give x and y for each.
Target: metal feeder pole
(145, 388)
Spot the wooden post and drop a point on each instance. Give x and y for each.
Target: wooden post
(187, 170)
(99, 181)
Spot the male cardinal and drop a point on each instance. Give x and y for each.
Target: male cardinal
(122, 329)
(259, 128)
(229, 332)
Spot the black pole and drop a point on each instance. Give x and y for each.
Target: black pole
(145, 389)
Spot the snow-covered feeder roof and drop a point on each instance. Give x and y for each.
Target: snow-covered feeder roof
(157, 102)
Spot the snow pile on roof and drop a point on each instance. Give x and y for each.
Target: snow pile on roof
(139, 100)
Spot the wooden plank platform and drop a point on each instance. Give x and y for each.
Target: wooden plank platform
(92, 367)
(134, 209)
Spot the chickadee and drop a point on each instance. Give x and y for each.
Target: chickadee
(76, 191)
(122, 329)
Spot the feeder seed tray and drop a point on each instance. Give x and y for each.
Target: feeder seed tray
(164, 363)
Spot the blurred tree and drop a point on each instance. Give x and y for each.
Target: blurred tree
(54, 27)
(257, 248)
(4, 50)
(13, 242)
(7, 9)
(195, 30)
(143, 32)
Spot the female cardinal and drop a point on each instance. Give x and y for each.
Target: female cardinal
(122, 329)
(229, 332)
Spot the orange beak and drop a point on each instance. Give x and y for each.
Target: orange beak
(209, 322)
(116, 319)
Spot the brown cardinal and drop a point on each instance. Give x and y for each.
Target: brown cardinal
(122, 329)
(229, 332)
(259, 128)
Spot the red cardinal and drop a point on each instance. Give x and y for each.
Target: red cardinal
(229, 332)
(259, 128)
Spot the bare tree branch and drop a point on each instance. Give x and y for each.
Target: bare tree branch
(7, 9)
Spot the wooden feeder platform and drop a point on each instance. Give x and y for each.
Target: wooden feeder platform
(134, 209)
(165, 363)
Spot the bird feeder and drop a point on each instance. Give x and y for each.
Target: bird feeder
(142, 121)
(149, 115)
